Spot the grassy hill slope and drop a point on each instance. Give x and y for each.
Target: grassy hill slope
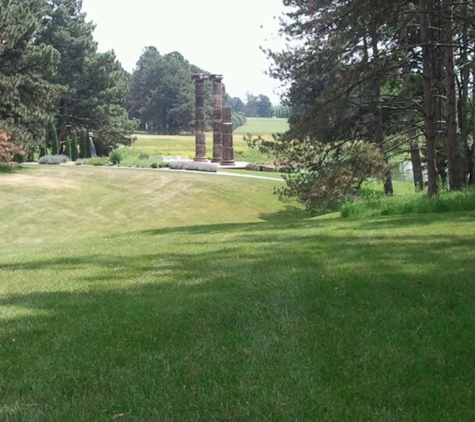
(142, 295)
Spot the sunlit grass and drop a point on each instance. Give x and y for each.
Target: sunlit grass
(156, 295)
(263, 126)
(166, 145)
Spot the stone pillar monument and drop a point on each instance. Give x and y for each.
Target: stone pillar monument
(217, 117)
(200, 136)
(228, 146)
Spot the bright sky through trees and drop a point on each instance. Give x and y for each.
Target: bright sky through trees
(216, 35)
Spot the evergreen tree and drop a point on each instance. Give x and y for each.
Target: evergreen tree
(162, 95)
(67, 147)
(378, 72)
(74, 147)
(27, 98)
(94, 85)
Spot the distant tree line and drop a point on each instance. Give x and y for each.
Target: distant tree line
(162, 97)
(259, 106)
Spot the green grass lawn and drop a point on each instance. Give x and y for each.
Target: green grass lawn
(163, 145)
(156, 295)
(253, 173)
(262, 126)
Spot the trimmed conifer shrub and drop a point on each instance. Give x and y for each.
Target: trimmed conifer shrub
(54, 140)
(74, 147)
(67, 147)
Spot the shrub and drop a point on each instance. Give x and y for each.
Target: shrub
(74, 147)
(8, 150)
(115, 156)
(42, 151)
(53, 159)
(158, 165)
(54, 141)
(6, 169)
(191, 165)
(96, 161)
(67, 148)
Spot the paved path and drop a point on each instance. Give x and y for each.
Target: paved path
(219, 173)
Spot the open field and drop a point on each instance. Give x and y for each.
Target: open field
(162, 145)
(262, 126)
(155, 295)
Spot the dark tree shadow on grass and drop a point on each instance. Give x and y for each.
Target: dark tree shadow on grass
(288, 322)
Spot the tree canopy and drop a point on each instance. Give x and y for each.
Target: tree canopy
(51, 75)
(393, 74)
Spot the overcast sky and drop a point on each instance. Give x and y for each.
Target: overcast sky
(217, 35)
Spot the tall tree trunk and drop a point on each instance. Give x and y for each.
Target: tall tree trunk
(463, 97)
(428, 84)
(472, 169)
(455, 159)
(472, 173)
(410, 117)
(438, 86)
(378, 112)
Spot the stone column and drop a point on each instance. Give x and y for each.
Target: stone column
(228, 147)
(217, 117)
(200, 136)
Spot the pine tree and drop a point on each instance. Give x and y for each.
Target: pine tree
(378, 71)
(94, 85)
(161, 95)
(27, 98)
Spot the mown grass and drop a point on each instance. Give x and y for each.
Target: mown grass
(262, 126)
(152, 295)
(271, 175)
(165, 145)
(162, 145)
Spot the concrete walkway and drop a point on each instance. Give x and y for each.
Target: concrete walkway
(218, 173)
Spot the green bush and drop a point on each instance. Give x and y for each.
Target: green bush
(115, 156)
(6, 169)
(96, 161)
(74, 147)
(67, 148)
(42, 150)
(54, 141)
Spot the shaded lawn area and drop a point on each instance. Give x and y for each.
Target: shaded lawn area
(284, 319)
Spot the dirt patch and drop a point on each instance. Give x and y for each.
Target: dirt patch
(38, 182)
